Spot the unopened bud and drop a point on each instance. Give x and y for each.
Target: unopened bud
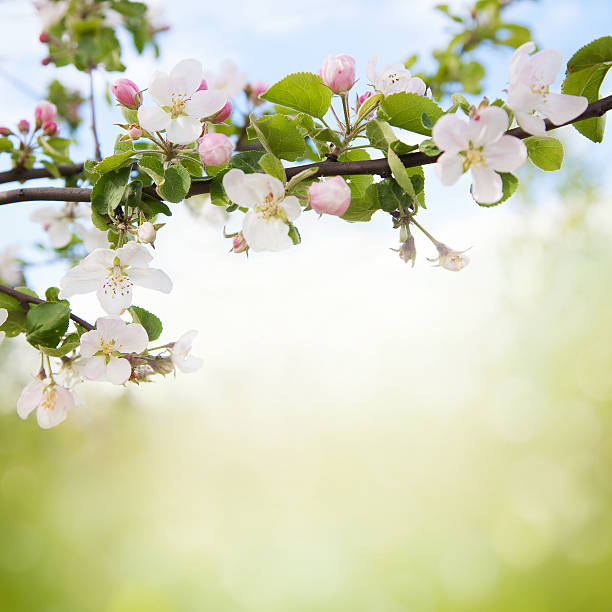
(203, 86)
(44, 37)
(135, 132)
(223, 114)
(50, 128)
(362, 98)
(147, 233)
(44, 112)
(239, 244)
(4, 131)
(332, 196)
(23, 126)
(338, 73)
(45, 61)
(215, 149)
(127, 93)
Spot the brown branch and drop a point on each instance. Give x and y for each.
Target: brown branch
(26, 174)
(25, 300)
(327, 168)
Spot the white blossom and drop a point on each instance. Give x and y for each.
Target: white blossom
(3, 318)
(50, 12)
(266, 225)
(93, 238)
(50, 400)
(112, 274)
(394, 78)
(103, 347)
(10, 272)
(180, 105)
(480, 145)
(529, 90)
(180, 350)
(57, 222)
(229, 79)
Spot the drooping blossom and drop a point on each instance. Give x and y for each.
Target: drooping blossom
(103, 347)
(529, 90)
(394, 78)
(229, 79)
(180, 353)
(266, 225)
(478, 144)
(450, 259)
(215, 149)
(407, 250)
(112, 275)
(50, 400)
(58, 222)
(338, 73)
(180, 105)
(3, 318)
(45, 111)
(127, 93)
(332, 196)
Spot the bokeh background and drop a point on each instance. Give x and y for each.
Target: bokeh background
(363, 436)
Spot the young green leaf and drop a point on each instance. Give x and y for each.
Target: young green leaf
(176, 184)
(112, 162)
(302, 91)
(545, 152)
(46, 323)
(405, 110)
(270, 164)
(108, 191)
(280, 136)
(149, 321)
(399, 173)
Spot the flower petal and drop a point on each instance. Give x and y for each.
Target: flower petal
(54, 410)
(522, 99)
(133, 339)
(292, 207)
(506, 154)
(488, 125)
(90, 342)
(531, 123)
(545, 66)
(60, 233)
(118, 370)
(238, 189)
(519, 58)
(265, 234)
(451, 134)
(95, 368)
(151, 278)
(134, 254)
(159, 89)
(449, 167)
(487, 185)
(560, 108)
(115, 297)
(184, 130)
(30, 397)
(185, 77)
(205, 103)
(153, 119)
(3, 315)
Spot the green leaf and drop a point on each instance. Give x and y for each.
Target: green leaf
(51, 294)
(51, 167)
(362, 207)
(192, 165)
(596, 52)
(46, 323)
(545, 152)
(391, 196)
(302, 91)
(217, 194)
(301, 176)
(9, 302)
(429, 148)
(108, 191)
(6, 145)
(405, 110)
(62, 350)
(151, 207)
(368, 106)
(56, 148)
(380, 134)
(176, 184)
(152, 166)
(509, 186)
(112, 162)
(15, 323)
(399, 174)
(248, 161)
(149, 321)
(100, 221)
(280, 136)
(270, 164)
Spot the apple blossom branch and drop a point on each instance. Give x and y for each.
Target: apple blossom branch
(328, 168)
(25, 300)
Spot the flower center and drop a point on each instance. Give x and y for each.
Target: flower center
(473, 157)
(49, 398)
(107, 347)
(179, 102)
(542, 90)
(117, 281)
(270, 208)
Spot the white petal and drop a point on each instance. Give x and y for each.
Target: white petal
(153, 119)
(415, 85)
(46, 215)
(487, 185)
(450, 133)
(88, 275)
(151, 278)
(519, 58)
(183, 130)
(60, 233)
(545, 66)
(95, 368)
(90, 342)
(185, 77)
(560, 108)
(238, 189)
(189, 364)
(3, 315)
(449, 167)
(54, 410)
(118, 370)
(371, 69)
(531, 123)
(159, 89)
(205, 103)
(115, 297)
(522, 99)
(134, 254)
(132, 339)
(110, 328)
(265, 234)
(488, 125)
(30, 397)
(266, 186)
(292, 207)
(505, 155)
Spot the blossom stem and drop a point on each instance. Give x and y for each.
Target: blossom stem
(413, 220)
(94, 131)
(345, 106)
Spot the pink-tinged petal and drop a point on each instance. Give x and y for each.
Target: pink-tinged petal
(265, 234)
(371, 69)
(531, 123)
(134, 254)
(449, 167)
(95, 368)
(153, 119)
(118, 370)
(159, 89)
(451, 134)
(186, 77)
(519, 58)
(238, 189)
(545, 66)
(90, 342)
(506, 154)
(151, 278)
(30, 398)
(133, 339)
(53, 410)
(184, 130)
(205, 103)
(521, 98)
(60, 233)
(415, 85)
(488, 125)
(560, 108)
(114, 297)
(292, 207)
(486, 186)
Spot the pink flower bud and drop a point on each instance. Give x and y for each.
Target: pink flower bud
(338, 73)
(127, 93)
(363, 98)
(332, 196)
(215, 149)
(50, 128)
(135, 132)
(258, 88)
(23, 126)
(46, 60)
(223, 114)
(44, 37)
(147, 233)
(45, 112)
(4, 131)
(203, 86)
(239, 244)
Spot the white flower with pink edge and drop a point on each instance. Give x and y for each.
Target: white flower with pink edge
(51, 401)
(478, 144)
